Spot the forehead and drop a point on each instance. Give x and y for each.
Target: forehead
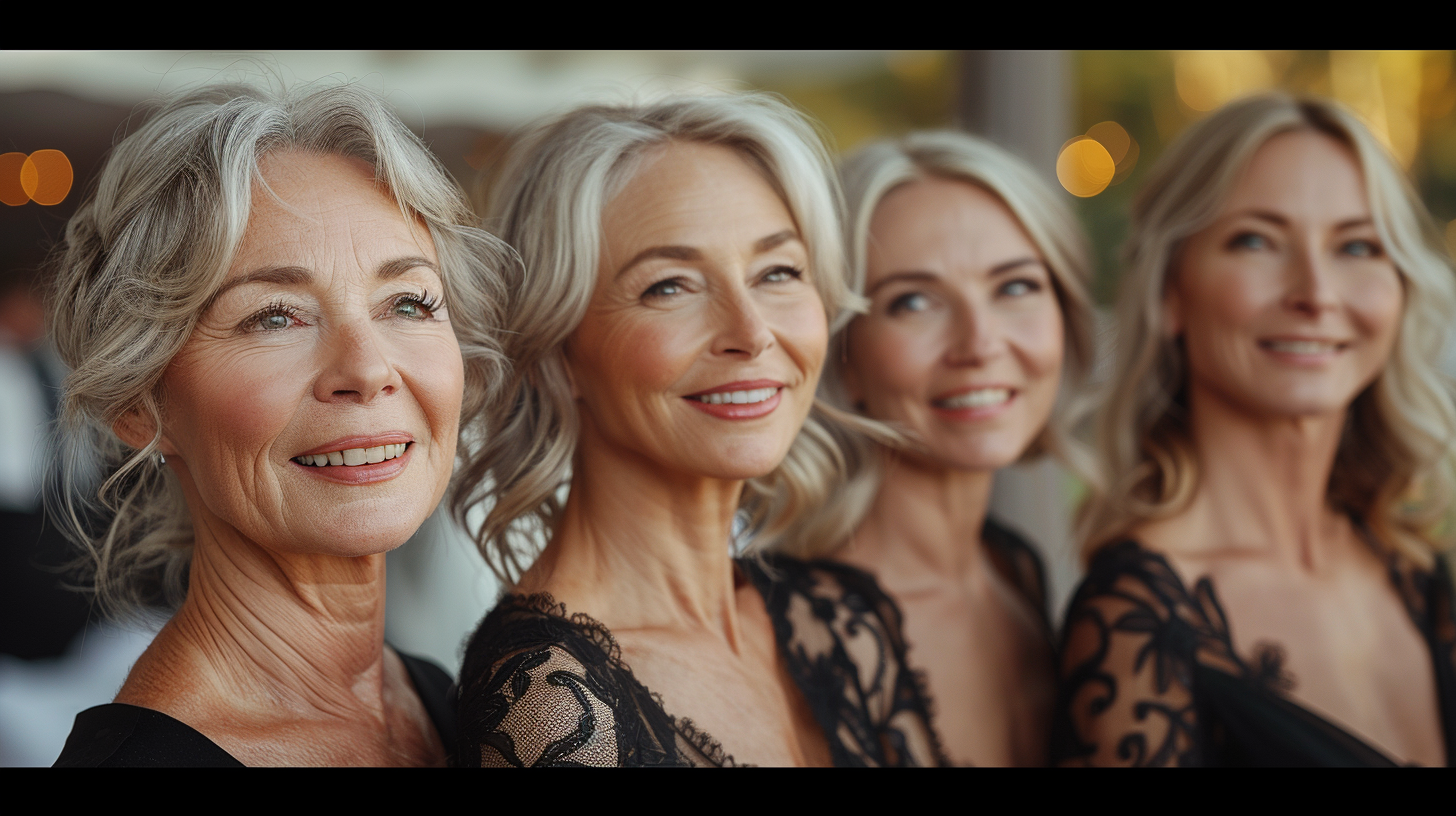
(691, 193)
(314, 209)
(944, 221)
(1305, 174)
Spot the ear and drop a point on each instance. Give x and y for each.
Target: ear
(137, 429)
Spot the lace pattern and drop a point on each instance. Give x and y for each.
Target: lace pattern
(541, 688)
(1136, 641)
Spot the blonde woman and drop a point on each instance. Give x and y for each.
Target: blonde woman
(275, 308)
(681, 274)
(977, 329)
(1263, 585)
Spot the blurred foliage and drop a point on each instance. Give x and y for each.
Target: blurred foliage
(908, 90)
(1407, 97)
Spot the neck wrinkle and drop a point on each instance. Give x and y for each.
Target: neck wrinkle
(1263, 482)
(932, 514)
(663, 537)
(302, 631)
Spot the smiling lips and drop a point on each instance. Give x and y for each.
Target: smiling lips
(1302, 347)
(739, 400)
(974, 403)
(358, 460)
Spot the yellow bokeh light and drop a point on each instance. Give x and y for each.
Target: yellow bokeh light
(1113, 137)
(1084, 167)
(1207, 79)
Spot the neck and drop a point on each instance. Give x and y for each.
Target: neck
(277, 632)
(638, 547)
(925, 523)
(1263, 481)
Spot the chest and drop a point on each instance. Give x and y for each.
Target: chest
(1350, 646)
(987, 662)
(745, 698)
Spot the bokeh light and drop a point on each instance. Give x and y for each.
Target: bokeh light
(1208, 79)
(1120, 145)
(11, 191)
(1084, 167)
(46, 177)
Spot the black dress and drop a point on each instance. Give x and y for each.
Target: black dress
(1017, 562)
(1192, 699)
(542, 689)
(117, 735)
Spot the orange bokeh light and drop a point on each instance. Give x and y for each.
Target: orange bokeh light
(44, 177)
(11, 191)
(1084, 167)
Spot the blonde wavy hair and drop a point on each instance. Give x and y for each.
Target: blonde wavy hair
(548, 204)
(144, 256)
(869, 175)
(1393, 467)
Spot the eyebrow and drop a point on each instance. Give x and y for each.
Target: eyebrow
(930, 277)
(687, 253)
(1281, 221)
(300, 276)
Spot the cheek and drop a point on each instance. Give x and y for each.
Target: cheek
(633, 355)
(1377, 304)
(438, 372)
(1038, 341)
(895, 359)
(231, 409)
(804, 331)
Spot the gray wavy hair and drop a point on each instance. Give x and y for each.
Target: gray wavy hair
(146, 253)
(548, 204)
(869, 175)
(1394, 463)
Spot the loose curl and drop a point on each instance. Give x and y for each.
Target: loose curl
(1394, 465)
(869, 175)
(548, 204)
(145, 255)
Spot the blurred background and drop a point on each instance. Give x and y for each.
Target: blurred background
(1091, 121)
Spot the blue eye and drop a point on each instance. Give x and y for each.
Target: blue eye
(664, 288)
(415, 307)
(1248, 240)
(782, 273)
(275, 317)
(909, 302)
(1362, 249)
(1020, 287)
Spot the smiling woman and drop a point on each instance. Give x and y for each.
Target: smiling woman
(1264, 585)
(668, 332)
(276, 311)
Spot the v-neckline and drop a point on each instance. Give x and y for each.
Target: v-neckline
(1442, 703)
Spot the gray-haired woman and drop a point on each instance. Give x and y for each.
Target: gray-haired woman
(276, 310)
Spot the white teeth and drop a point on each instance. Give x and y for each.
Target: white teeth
(353, 456)
(1300, 346)
(737, 397)
(980, 398)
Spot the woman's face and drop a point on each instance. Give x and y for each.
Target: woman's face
(314, 409)
(963, 342)
(1288, 304)
(702, 346)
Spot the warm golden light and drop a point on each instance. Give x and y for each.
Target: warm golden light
(11, 191)
(1085, 167)
(46, 177)
(1120, 145)
(1207, 79)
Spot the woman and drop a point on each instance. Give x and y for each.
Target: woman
(1263, 585)
(667, 338)
(273, 306)
(976, 277)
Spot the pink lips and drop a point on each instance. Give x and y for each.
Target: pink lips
(734, 410)
(360, 474)
(973, 413)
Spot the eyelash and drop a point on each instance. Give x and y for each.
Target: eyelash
(791, 271)
(653, 291)
(275, 309)
(424, 300)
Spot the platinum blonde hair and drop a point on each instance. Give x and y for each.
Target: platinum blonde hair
(1393, 467)
(141, 261)
(548, 204)
(869, 175)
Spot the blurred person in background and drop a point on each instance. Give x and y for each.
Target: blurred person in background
(275, 310)
(977, 334)
(681, 271)
(1264, 585)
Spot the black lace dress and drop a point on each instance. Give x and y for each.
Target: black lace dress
(1017, 561)
(1191, 700)
(541, 689)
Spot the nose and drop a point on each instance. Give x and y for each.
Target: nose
(1310, 285)
(356, 368)
(742, 329)
(974, 338)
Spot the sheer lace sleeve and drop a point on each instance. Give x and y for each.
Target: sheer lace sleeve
(842, 640)
(541, 689)
(1133, 640)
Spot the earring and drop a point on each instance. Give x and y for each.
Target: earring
(161, 459)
